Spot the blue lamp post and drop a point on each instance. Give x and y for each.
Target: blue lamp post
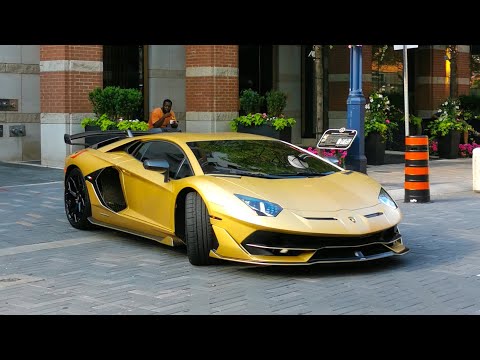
(356, 159)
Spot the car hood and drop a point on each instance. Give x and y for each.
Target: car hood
(346, 190)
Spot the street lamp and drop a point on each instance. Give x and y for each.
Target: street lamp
(356, 159)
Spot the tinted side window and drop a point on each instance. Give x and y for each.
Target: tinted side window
(162, 150)
(140, 152)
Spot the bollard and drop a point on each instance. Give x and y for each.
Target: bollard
(417, 184)
(476, 169)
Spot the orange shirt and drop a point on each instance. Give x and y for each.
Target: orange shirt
(157, 114)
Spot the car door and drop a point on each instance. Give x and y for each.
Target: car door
(150, 199)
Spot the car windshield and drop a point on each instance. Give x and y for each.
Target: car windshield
(258, 158)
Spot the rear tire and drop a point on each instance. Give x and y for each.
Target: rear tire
(198, 230)
(77, 201)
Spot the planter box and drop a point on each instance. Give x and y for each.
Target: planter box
(448, 145)
(375, 149)
(266, 130)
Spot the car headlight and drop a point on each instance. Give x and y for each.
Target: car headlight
(386, 199)
(261, 207)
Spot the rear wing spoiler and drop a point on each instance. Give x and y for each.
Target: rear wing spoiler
(116, 135)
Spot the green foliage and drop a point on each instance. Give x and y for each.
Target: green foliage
(116, 102)
(415, 120)
(105, 123)
(134, 125)
(470, 103)
(276, 102)
(250, 101)
(89, 122)
(128, 103)
(450, 117)
(257, 119)
(378, 115)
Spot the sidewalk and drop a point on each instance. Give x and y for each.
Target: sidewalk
(446, 176)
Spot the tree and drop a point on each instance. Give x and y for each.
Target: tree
(475, 71)
(452, 54)
(319, 79)
(321, 53)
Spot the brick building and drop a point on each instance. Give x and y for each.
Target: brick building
(44, 88)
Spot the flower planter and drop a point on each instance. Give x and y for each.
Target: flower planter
(375, 149)
(267, 130)
(448, 145)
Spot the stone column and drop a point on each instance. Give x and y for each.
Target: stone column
(20, 86)
(211, 93)
(67, 74)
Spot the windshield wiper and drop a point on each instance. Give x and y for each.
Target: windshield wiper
(307, 174)
(222, 171)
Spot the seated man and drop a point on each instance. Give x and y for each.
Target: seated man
(163, 117)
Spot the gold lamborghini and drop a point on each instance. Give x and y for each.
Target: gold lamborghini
(231, 196)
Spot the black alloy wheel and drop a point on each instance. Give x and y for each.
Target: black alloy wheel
(77, 202)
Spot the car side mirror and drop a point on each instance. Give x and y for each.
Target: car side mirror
(158, 165)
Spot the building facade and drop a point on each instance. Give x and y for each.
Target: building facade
(44, 88)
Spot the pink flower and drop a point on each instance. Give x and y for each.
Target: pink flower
(387, 121)
(312, 150)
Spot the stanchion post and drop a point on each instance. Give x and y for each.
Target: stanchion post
(417, 182)
(476, 169)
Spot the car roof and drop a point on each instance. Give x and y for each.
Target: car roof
(180, 137)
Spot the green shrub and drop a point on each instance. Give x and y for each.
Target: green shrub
(276, 102)
(116, 102)
(250, 101)
(450, 118)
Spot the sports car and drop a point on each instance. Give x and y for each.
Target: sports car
(230, 196)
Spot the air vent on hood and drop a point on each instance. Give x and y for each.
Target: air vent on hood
(373, 215)
(321, 218)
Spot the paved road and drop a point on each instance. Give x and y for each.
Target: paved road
(47, 267)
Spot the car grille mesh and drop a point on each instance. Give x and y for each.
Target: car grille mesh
(263, 242)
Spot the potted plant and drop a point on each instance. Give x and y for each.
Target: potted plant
(378, 127)
(273, 123)
(250, 101)
(447, 127)
(116, 102)
(113, 107)
(103, 123)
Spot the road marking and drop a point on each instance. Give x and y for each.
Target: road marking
(49, 245)
(46, 183)
(36, 216)
(24, 223)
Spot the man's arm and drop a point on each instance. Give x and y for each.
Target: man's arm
(157, 118)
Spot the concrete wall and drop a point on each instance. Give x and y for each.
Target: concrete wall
(289, 81)
(166, 78)
(20, 80)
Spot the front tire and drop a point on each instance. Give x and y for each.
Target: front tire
(77, 201)
(198, 230)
